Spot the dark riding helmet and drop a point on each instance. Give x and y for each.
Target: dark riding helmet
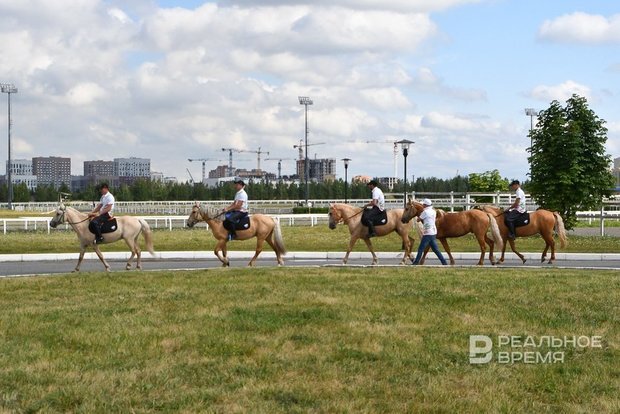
(514, 182)
(103, 185)
(373, 183)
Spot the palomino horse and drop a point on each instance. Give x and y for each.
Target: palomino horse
(263, 227)
(352, 217)
(129, 228)
(457, 225)
(543, 222)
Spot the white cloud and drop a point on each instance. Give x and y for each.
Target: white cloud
(402, 6)
(85, 94)
(425, 80)
(560, 92)
(582, 28)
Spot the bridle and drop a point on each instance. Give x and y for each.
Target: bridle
(344, 219)
(62, 218)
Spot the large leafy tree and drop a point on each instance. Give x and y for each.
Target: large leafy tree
(569, 169)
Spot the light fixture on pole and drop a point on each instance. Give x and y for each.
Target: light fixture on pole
(531, 112)
(346, 177)
(9, 88)
(404, 144)
(304, 100)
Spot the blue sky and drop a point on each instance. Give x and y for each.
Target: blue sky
(169, 80)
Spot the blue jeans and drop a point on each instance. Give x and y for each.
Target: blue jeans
(424, 243)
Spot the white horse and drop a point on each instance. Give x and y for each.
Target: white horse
(129, 228)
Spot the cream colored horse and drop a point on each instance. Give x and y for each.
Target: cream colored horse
(129, 228)
(263, 227)
(352, 217)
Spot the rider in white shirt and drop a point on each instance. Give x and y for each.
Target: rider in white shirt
(238, 209)
(516, 208)
(102, 212)
(374, 208)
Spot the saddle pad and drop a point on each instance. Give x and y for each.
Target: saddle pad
(520, 220)
(378, 220)
(109, 226)
(242, 224)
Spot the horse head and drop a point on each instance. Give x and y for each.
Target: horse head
(414, 209)
(195, 216)
(59, 216)
(335, 216)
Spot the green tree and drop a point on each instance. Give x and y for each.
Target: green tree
(487, 182)
(21, 194)
(569, 169)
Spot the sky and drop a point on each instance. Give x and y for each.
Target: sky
(171, 80)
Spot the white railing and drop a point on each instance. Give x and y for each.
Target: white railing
(172, 222)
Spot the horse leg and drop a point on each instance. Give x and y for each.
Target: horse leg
(514, 250)
(491, 244)
(444, 243)
(100, 255)
(549, 242)
(424, 255)
(219, 246)
(407, 244)
(351, 245)
(482, 249)
(132, 248)
(375, 259)
(79, 263)
(259, 249)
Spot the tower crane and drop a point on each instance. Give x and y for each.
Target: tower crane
(204, 160)
(279, 164)
(300, 147)
(230, 158)
(191, 178)
(258, 153)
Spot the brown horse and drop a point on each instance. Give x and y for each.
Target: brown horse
(263, 227)
(459, 224)
(129, 228)
(543, 222)
(352, 217)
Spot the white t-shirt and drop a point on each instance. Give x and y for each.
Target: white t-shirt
(243, 196)
(428, 218)
(107, 199)
(377, 194)
(521, 195)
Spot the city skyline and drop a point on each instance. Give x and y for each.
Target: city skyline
(171, 80)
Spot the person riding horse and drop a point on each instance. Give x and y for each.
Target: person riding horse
(374, 208)
(238, 210)
(102, 212)
(516, 209)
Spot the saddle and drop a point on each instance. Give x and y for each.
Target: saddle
(108, 226)
(242, 224)
(378, 220)
(518, 219)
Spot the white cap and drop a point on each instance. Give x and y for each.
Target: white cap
(427, 202)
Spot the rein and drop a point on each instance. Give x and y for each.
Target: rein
(72, 222)
(344, 219)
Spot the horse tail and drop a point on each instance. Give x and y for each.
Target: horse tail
(495, 234)
(560, 230)
(278, 240)
(148, 235)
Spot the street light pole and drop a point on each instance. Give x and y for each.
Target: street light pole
(531, 112)
(346, 177)
(305, 101)
(404, 144)
(9, 88)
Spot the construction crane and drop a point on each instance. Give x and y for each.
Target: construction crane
(301, 147)
(204, 160)
(258, 153)
(391, 141)
(230, 158)
(279, 164)
(191, 178)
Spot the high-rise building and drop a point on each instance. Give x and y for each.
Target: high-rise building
(21, 172)
(99, 167)
(320, 169)
(53, 171)
(132, 167)
(616, 171)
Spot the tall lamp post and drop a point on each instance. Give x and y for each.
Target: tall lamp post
(531, 112)
(9, 88)
(404, 144)
(305, 101)
(346, 177)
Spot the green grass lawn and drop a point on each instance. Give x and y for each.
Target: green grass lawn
(304, 340)
(297, 238)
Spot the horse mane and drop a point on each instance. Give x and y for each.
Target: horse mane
(440, 212)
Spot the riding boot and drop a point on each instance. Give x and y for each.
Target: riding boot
(371, 230)
(98, 236)
(232, 235)
(511, 230)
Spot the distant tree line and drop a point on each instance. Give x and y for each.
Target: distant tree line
(146, 190)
